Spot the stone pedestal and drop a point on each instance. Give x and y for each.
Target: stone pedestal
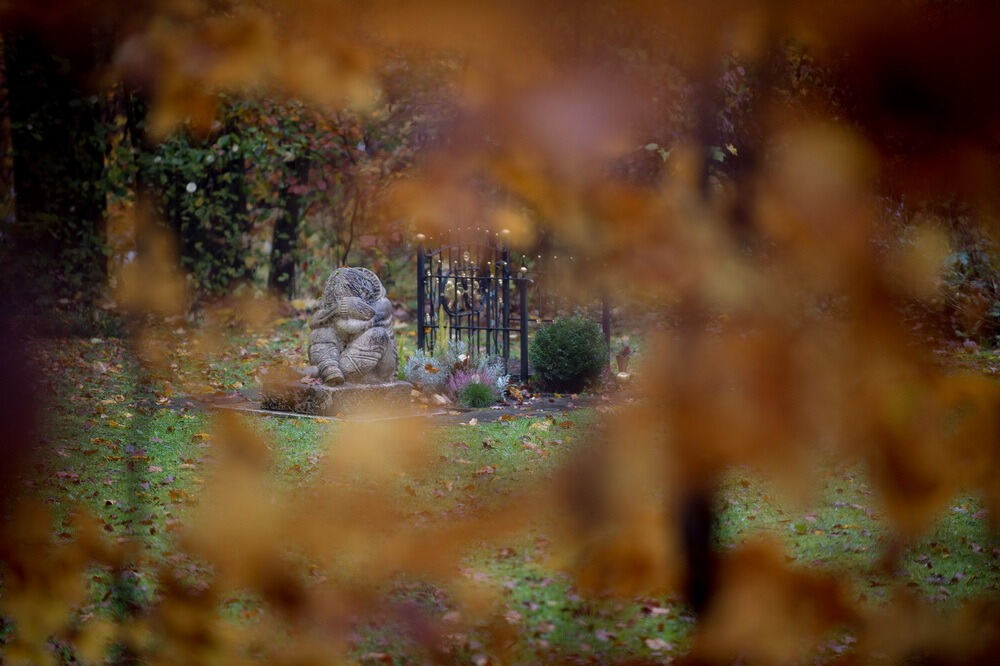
(322, 400)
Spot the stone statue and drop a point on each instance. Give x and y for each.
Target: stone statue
(351, 339)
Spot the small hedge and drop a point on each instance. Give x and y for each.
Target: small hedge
(568, 354)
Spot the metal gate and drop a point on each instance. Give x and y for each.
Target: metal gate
(471, 281)
(473, 285)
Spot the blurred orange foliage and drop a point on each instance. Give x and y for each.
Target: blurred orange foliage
(554, 97)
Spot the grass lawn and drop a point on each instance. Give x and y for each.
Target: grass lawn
(121, 449)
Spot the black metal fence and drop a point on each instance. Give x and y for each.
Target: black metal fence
(472, 286)
(470, 281)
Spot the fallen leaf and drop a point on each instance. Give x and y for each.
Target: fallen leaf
(655, 610)
(658, 644)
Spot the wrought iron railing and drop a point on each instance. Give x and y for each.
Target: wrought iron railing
(470, 280)
(470, 286)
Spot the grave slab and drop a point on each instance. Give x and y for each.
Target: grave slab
(322, 400)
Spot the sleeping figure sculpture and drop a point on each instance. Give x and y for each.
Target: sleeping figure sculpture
(351, 338)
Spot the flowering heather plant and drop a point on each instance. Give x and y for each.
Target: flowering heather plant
(459, 380)
(488, 372)
(452, 370)
(477, 395)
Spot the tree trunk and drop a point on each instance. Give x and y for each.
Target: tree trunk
(235, 175)
(7, 191)
(58, 160)
(281, 277)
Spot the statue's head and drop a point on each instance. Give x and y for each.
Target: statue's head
(359, 282)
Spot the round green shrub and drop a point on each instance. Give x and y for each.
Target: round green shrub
(568, 354)
(477, 395)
